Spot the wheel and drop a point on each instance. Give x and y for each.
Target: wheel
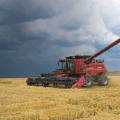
(103, 80)
(88, 81)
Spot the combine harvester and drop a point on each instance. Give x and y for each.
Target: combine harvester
(76, 71)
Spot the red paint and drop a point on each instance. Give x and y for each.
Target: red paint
(96, 68)
(80, 82)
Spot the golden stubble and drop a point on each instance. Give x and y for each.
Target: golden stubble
(21, 102)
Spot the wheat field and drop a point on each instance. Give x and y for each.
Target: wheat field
(21, 102)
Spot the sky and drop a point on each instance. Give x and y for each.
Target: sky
(35, 34)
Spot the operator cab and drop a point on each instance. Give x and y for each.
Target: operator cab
(70, 63)
(66, 65)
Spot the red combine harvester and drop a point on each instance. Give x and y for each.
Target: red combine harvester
(76, 71)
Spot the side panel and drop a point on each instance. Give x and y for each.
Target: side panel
(96, 68)
(77, 65)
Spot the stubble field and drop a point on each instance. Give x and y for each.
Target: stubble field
(21, 102)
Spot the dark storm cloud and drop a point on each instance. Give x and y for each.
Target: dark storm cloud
(8, 45)
(18, 11)
(11, 37)
(34, 34)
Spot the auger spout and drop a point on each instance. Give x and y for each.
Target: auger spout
(102, 51)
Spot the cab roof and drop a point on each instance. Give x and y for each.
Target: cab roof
(78, 56)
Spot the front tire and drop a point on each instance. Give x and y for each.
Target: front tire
(103, 80)
(88, 81)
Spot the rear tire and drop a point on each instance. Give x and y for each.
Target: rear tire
(103, 80)
(88, 81)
